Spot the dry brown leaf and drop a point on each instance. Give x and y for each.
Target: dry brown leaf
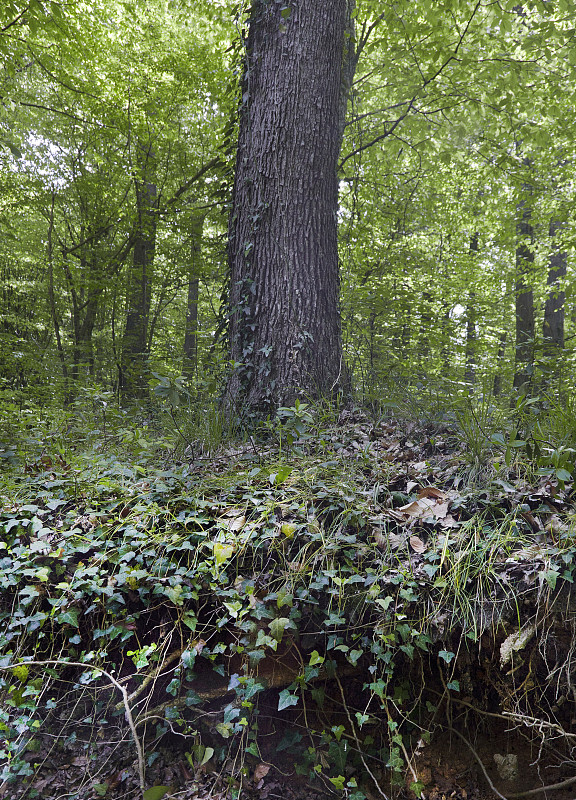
(418, 508)
(395, 541)
(380, 538)
(449, 522)
(237, 523)
(556, 525)
(260, 771)
(431, 491)
(431, 502)
(417, 544)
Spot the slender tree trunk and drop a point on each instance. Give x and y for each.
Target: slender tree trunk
(425, 328)
(524, 361)
(52, 298)
(470, 374)
(502, 341)
(190, 359)
(446, 348)
(285, 336)
(553, 327)
(503, 336)
(133, 372)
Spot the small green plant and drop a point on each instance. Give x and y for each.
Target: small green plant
(558, 463)
(293, 423)
(477, 419)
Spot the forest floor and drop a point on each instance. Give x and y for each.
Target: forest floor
(372, 609)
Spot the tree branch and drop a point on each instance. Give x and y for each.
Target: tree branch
(16, 19)
(214, 162)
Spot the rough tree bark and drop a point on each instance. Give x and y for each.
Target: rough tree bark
(285, 337)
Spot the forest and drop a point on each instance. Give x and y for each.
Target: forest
(287, 399)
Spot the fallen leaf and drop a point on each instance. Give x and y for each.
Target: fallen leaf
(237, 523)
(449, 522)
(431, 502)
(417, 544)
(380, 538)
(260, 771)
(395, 541)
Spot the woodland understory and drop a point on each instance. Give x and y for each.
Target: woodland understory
(287, 415)
(341, 603)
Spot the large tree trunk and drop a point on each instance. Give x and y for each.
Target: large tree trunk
(284, 319)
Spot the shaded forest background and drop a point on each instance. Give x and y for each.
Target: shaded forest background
(456, 230)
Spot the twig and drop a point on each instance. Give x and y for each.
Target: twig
(353, 728)
(114, 682)
(151, 676)
(540, 789)
(534, 722)
(482, 767)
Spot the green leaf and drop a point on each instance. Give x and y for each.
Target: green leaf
(550, 576)
(69, 617)
(287, 699)
(417, 787)
(446, 655)
(284, 598)
(222, 553)
(190, 619)
(315, 658)
(156, 792)
(20, 672)
(384, 602)
(279, 477)
(278, 626)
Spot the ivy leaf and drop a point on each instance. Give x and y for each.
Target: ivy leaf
(222, 553)
(286, 699)
(315, 658)
(69, 617)
(278, 626)
(190, 619)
